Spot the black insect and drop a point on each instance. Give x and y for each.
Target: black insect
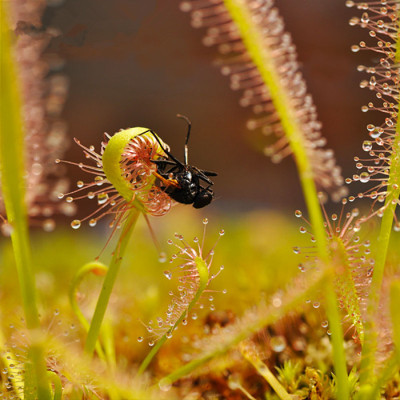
(183, 182)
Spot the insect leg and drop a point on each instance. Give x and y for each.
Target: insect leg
(209, 173)
(161, 145)
(201, 175)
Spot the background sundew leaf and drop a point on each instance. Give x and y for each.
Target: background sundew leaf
(43, 92)
(251, 322)
(353, 268)
(260, 59)
(382, 166)
(263, 63)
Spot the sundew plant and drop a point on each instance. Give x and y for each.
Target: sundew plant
(135, 294)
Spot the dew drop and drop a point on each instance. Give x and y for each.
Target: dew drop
(396, 226)
(61, 196)
(92, 222)
(376, 133)
(194, 316)
(90, 195)
(316, 304)
(298, 213)
(49, 225)
(276, 302)
(140, 339)
(365, 18)
(57, 161)
(165, 384)
(278, 343)
(296, 250)
(221, 232)
(170, 242)
(151, 343)
(69, 199)
(324, 324)
(79, 184)
(75, 224)
(364, 177)
(205, 221)
(303, 229)
(6, 229)
(367, 145)
(99, 180)
(102, 198)
(168, 275)
(162, 257)
(389, 122)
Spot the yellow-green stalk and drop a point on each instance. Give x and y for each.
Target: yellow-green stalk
(12, 170)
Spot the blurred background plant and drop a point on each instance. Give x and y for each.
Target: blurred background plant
(43, 92)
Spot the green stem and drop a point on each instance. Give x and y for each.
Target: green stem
(56, 381)
(12, 159)
(203, 282)
(265, 372)
(109, 281)
(97, 268)
(12, 171)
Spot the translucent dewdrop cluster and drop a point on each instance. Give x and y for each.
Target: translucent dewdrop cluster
(279, 58)
(192, 294)
(137, 170)
(382, 148)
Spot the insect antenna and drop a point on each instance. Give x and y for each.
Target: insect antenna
(186, 155)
